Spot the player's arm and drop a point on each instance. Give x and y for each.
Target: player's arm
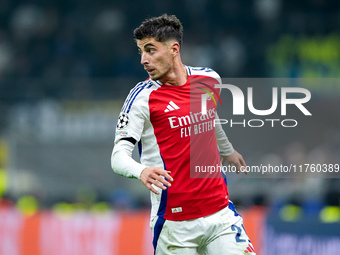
(224, 145)
(227, 152)
(129, 130)
(122, 163)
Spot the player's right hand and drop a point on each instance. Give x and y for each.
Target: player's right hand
(155, 175)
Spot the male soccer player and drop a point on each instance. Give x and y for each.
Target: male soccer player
(163, 115)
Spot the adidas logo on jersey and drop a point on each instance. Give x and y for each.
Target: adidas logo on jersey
(250, 249)
(176, 210)
(171, 107)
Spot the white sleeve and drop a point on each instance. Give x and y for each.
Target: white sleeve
(129, 131)
(133, 115)
(224, 146)
(122, 162)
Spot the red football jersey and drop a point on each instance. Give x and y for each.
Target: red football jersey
(173, 133)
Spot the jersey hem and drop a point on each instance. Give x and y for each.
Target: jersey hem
(191, 217)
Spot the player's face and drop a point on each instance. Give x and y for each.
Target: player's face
(156, 57)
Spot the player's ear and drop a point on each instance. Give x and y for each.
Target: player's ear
(175, 47)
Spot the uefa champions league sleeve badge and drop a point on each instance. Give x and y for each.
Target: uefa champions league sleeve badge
(123, 121)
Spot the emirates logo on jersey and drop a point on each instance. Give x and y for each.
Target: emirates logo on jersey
(191, 118)
(193, 123)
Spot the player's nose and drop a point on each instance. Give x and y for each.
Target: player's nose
(143, 59)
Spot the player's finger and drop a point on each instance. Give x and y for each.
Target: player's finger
(244, 169)
(158, 183)
(164, 173)
(152, 189)
(243, 166)
(163, 181)
(238, 167)
(243, 163)
(168, 176)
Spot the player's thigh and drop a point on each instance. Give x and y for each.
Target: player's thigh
(232, 241)
(177, 238)
(169, 243)
(226, 245)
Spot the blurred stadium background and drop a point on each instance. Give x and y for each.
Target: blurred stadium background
(65, 68)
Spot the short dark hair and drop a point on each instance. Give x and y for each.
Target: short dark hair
(161, 28)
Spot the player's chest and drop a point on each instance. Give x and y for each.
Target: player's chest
(178, 108)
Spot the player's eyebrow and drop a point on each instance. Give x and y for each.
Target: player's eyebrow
(146, 46)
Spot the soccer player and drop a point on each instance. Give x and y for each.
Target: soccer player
(191, 211)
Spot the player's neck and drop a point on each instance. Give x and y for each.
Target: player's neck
(177, 76)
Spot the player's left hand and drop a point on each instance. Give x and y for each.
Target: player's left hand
(235, 159)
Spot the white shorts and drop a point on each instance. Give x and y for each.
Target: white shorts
(218, 233)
